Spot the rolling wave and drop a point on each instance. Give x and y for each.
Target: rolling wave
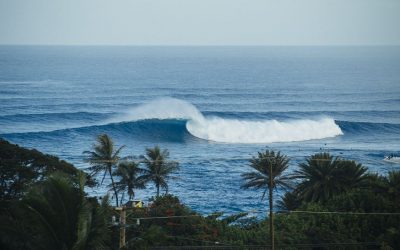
(176, 130)
(232, 130)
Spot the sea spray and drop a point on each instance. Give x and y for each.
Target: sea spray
(232, 130)
(163, 108)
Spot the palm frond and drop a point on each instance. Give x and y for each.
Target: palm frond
(267, 165)
(158, 167)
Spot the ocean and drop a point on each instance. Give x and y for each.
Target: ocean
(213, 108)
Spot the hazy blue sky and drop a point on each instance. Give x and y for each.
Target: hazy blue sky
(200, 22)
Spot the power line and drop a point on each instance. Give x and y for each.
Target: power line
(187, 238)
(219, 244)
(206, 241)
(339, 212)
(167, 217)
(301, 245)
(255, 212)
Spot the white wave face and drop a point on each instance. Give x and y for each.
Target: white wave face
(231, 130)
(238, 131)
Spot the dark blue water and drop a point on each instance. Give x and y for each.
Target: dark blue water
(212, 107)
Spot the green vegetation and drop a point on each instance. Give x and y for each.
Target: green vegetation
(268, 176)
(128, 172)
(335, 203)
(104, 158)
(55, 214)
(158, 168)
(324, 176)
(21, 168)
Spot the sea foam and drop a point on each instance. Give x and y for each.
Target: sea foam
(233, 130)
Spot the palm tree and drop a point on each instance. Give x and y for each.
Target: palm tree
(158, 168)
(318, 177)
(103, 158)
(290, 201)
(324, 176)
(268, 175)
(128, 172)
(351, 174)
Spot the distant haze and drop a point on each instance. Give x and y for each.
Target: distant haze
(200, 22)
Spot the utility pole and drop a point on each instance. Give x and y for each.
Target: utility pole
(122, 230)
(271, 205)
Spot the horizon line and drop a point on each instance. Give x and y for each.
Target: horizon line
(205, 45)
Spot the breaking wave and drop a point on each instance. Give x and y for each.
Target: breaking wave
(219, 129)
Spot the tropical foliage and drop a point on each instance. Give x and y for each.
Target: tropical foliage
(21, 168)
(289, 201)
(158, 168)
(269, 175)
(352, 209)
(269, 172)
(55, 214)
(324, 176)
(129, 179)
(103, 159)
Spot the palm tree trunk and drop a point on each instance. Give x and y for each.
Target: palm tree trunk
(113, 185)
(271, 214)
(131, 197)
(158, 190)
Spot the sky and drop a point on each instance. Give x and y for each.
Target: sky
(200, 22)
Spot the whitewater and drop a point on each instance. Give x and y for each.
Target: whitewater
(232, 130)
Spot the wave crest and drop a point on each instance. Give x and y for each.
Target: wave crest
(164, 108)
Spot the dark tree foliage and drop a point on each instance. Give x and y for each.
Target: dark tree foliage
(129, 178)
(55, 214)
(103, 159)
(323, 176)
(185, 227)
(21, 167)
(45, 209)
(289, 201)
(158, 168)
(267, 175)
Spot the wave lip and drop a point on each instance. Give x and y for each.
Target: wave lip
(162, 109)
(268, 131)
